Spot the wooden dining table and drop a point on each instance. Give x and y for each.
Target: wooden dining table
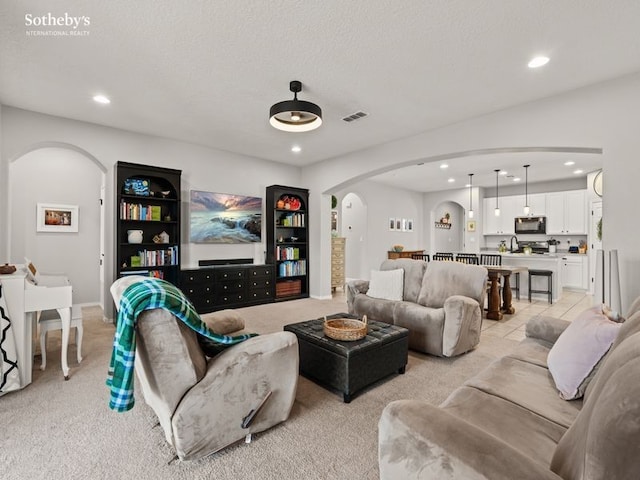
(495, 309)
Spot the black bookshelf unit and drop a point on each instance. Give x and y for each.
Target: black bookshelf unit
(147, 202)
(288, 240)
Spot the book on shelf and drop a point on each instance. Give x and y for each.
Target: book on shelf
(139, 211)
(155, 258)
(292, 220)
(292, 268)
(144, 273)
(287, 253)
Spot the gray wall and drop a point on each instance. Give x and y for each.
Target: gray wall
(58, 176)
(601, 116)
(203, 169)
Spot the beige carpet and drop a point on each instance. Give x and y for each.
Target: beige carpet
(64, 430)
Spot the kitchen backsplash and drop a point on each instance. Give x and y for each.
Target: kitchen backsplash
(566, 241)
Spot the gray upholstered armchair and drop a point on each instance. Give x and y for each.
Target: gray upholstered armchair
(201, 402)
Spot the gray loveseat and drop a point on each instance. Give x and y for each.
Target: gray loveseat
(441, 304)
(509, 422)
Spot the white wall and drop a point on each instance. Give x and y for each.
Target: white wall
(600, 116)
(355, 231)
(58, 176)
(384, 202)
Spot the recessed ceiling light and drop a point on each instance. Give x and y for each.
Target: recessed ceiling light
(503, 172)
(538, 62)
(296, 149)
(516, 179)
(569, 163)
(443, 166)
(577, 172)
(451, 180)
(101, 99)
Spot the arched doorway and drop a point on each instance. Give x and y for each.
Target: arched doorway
(59, 174)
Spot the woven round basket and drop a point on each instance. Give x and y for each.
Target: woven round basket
(345, 329)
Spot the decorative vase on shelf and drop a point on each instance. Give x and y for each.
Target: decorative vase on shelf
(134, 236)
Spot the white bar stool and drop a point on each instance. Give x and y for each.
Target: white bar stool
(50, 320)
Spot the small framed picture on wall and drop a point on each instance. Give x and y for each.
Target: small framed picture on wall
(409, 224)
(399, 224)
(471, 225)
(392, 224)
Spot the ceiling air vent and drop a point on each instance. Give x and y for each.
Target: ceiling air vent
(355, 116)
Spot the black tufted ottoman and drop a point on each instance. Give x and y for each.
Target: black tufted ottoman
(350, 366)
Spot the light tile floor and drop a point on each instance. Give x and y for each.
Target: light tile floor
(567, 307)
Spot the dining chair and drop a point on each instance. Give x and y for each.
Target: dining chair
(490, 259)
(420, 256)
(442, 256)
(468, 258)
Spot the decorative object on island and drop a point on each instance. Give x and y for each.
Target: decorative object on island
(288, 240)
(553, 245)
(224, 218)
(295, 115)
(582, 247)
(57, 218)
(526, 190)
(148, 206)
(470, 195)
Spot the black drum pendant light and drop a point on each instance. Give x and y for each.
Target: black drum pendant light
(295, 115)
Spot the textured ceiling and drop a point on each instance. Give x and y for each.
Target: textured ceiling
(207, 72)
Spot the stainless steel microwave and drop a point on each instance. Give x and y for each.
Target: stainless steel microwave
(530, 225)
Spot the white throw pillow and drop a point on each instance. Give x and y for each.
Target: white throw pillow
(387, 284)
(575, 355)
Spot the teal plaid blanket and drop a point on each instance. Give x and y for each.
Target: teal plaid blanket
(146, 295)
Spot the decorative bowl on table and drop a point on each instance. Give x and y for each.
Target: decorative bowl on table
(345, 329)
(398, 248)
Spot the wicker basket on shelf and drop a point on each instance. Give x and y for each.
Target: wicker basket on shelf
(345, 329)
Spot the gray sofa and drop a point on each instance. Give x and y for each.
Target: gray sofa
(509, 422)
(441, 304)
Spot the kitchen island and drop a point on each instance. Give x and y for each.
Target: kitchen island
(547, 261)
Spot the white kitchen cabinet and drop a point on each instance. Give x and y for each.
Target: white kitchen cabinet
(538, 204)
(510, 207)
(574, 272)
(567, 213)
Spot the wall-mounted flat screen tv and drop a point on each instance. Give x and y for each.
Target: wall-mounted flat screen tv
(224, 218)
